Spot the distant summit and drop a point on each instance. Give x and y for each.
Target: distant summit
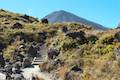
(118, 26)
(64, 16)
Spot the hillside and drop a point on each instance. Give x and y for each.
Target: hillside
(64, 16)
(73, 49)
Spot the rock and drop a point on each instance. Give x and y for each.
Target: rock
(78, 36)
(17, 26)
(32, 51)
(92, 39)
(27, 63)
(14, 55)
(18, 77)
(64, 29)
(25, 17)
(2, 61)
(44, 21)
(57, 63)
(17, 56)
(28, 19)
(53, 53)
(117, 53)
(117, 37)
(2, 46)
(42, 36)
(22, 46)
(18, 64)
(69, 76)
(76, 69)
(75, 35)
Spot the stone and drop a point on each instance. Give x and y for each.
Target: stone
(53, 53)
(29, 19)
(117, 53)
(2, 61)
(69, 76)
(32, 51)
(117, 37)
(64, 29)
(44, 21)
(17, 26)
(76, 69)
(79, 36)
(76, 34)
(2, 46)
(26, 62)
(42, 36)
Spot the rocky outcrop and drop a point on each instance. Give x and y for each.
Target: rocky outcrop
(17, 26)
(53, 53)
(44, 21)
(80, 36)
(2, 61)
(28, 19)
(64, 29)
(117, 37)
(2, 46)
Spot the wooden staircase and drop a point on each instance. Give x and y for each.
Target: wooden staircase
(39, 60)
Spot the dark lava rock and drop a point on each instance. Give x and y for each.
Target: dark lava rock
(44, 21)
(117, 37)
(42, 36)
(79, 36)
(33, 50)
(27, 63)
(53, 53)
(2, 61)
(64, 29)
(75, 35)
(2, 46)
(29, 19)
(76, 69)
(17, 26)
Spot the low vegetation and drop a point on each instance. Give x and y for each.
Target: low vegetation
(94, 52)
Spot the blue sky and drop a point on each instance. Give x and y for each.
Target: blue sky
(105, 12)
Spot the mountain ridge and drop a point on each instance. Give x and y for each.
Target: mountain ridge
(64, 16)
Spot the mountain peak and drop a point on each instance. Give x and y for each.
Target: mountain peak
(64, 16)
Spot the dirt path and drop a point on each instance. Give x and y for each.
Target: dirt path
(29, 72)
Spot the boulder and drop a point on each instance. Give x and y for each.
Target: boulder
(117, 37)
(27, 63)
(32, 51)
(26, 18)
(64, 29)
(76, 69)
(29, 19)
(42, 36)
(2, 46)
(75, 35)
(79, 36)
(17, 26)
(53, 53)
(2, 61)
(117, 52)
(44, 21)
